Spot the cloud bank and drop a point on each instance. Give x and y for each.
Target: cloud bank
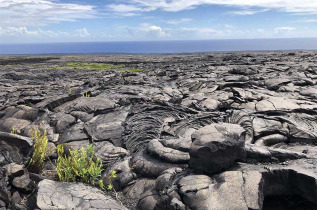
(294, 6)
(41, 12)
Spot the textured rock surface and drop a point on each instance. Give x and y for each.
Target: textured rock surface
(188, 131)
(14, 148)
(59, 195)
(228, 190)
(216, 147)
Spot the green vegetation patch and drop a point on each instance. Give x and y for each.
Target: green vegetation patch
(92, 66)
(79, 165)
(86, 66)
(40, 153)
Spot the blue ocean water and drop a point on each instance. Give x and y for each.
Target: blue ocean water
(161, 46)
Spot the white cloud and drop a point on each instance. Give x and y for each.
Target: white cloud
(23, 34)
(295, 6)
(283, 29)
(157, 31)
(127, 9)
(41, 12)
(123, 8)
(178, 21)
(82, 32)
(260, 30)
(146, 31)
(247, 12)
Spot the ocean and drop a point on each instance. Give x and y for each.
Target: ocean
(141, 47)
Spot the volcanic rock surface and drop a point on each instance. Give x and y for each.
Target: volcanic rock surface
(188, 131)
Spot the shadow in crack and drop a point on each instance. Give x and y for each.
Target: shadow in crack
(290, 202)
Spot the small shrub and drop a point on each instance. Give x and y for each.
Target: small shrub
(87, 95)
(79, 166)
(40, 152)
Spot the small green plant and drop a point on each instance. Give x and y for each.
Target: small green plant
(40, 152)
(69, 92)
(110, 185)
(79, 166)
(112, 175)
(87, 95)
(14, 131)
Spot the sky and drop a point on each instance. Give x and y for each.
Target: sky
(36, 21)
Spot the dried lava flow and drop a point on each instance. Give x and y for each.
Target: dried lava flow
(194, 131)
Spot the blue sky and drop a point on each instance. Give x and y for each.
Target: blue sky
(29, 21)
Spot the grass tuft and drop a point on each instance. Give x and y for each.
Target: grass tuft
(40, 152)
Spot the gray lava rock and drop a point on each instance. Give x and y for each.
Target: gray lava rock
(216, 147)
(5, 198)
(83, 116)
(169, 125)
(23, 183)
(14, 169)
(15, 149)
(262, 153)
(108, 153)
(228, 190)
(10, 124)
(54, 101)
(243, 119)
(74, 133)
(274, 84)
(156, 148)
(107, 127)
(88, 105)
(138, 188)
(59, 195)
(148, 166)
(23, 112)
(125, 174)
(62, 121)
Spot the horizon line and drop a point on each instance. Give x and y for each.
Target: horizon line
(176, 40)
